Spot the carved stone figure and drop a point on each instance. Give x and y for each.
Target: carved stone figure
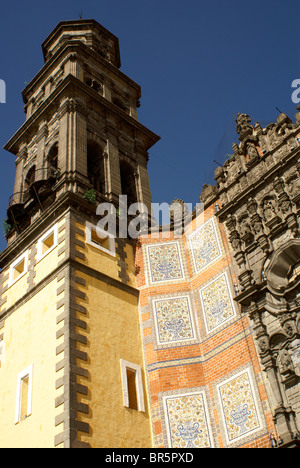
(252, 151)
(285, 360)
(244, 226)
(243, 123)
(263, 344)
(268, 209)
(294, 187)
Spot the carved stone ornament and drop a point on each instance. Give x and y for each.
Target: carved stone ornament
(263, 344)
(252, 151)
(178, 210)
(288, 324)
(285, 361)
(243, 124)
(269, 209)
(294, 187)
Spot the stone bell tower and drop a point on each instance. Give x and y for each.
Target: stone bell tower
(81, 129)
(69, 326)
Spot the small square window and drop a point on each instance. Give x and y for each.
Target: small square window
(18, 268)
(100, 239)
(47, 243)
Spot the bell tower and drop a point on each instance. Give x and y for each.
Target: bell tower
(69, 321)
(81, 131)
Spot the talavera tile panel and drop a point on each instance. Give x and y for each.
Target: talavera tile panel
(205, 245)
(217, 303)
(164, 262)
(239, 408)
(173, 319)
(187, 420)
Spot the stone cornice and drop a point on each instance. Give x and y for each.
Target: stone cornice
(256, 185)
(54, 100)
(83, 50)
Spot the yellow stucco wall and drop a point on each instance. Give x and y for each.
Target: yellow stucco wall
(113, 333)
(30, 338)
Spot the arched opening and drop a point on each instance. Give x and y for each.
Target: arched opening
(128, 185)
(282, 272)
(30, 178)
(53, 157)
(95, 167)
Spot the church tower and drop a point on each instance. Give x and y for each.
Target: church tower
(71, 357)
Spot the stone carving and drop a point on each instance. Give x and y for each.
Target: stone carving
(285, 361)
(243, 124)
(252, 152)
(294, 186)
(261, 217)
(268, 209)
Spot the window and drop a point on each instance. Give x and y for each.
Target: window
(95, 167)
(47, 242)
(128, 185)
(133, 393)
(24, 395)
(53, 158)
(100, 239)
(30, 177)
(131, 385)
(2, 352)
(18, 268)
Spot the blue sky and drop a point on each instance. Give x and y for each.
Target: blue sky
(199, 63)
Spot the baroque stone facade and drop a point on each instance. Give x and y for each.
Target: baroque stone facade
(259, 193)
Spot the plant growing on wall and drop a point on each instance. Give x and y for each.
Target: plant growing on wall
(6, 227)
(90, 196)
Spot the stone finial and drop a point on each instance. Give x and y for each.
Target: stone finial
(243, 125)
(208, 192)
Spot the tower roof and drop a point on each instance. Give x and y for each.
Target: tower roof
(89, 32)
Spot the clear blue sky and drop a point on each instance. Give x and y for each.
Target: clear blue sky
(199, 63)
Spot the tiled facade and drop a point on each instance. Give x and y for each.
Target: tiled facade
(217, 303)
(205, 383)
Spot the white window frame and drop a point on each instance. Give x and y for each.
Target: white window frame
(20, 259)
(54, 231)
(102, 234)
(2, 352)
(138, 381)
(24, 373)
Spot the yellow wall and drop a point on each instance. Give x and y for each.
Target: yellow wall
(30, 338)
(113, 333)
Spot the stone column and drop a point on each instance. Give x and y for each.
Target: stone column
(283, 417)
(18, 187)
(113, 163)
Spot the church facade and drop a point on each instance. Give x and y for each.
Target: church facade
(187, 336)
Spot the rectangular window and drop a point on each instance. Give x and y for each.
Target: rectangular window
(18, 268)
(100, 239)
(47, 242)
(133, 393)
(2, 352)
(24, 395)
(131, 385)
